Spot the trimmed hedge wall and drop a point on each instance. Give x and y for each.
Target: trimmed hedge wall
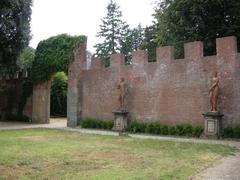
(151, 128)
(157, 128)
(232, 131)
(98, 124)
(161, 129)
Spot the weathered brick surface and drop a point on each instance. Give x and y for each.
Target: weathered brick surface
(13, 95)
(41, 102)
(169, 91)
(74, 96)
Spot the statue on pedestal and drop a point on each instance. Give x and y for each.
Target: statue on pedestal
(213, 119)
(121, 115)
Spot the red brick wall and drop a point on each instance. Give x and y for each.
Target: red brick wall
(13, 95)
(169, 91)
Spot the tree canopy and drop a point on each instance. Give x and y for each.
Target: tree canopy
(182, 21)
(15, 16)
(131, 42)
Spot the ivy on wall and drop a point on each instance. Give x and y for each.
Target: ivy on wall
(54, 55)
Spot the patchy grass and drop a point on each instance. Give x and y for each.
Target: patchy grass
(56, 154)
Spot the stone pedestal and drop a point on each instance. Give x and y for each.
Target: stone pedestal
(213, 125)
(120, 121)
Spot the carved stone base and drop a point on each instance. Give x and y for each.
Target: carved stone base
(120, 121)
(213, 124)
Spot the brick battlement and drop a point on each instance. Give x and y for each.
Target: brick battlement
(168, 90)
(225, 47)
(16, 76)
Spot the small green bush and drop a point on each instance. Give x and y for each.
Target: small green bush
(157, 128)
(172, 130)
(236, 131)
(228, 132)
(136, 127)
(150, 128)
(180, 130)
(197, 131)
(98, 124)
(164, 130)
(232, 131)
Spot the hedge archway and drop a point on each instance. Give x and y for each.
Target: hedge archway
(52, 55)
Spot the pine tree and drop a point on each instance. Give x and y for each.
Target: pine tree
(112, 30)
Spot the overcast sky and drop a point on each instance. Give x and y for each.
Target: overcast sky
(82, 17)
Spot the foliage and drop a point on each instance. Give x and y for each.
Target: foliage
(95, 123)
(53, 55)
(112, 30)
(157, 128)
(132, 42)
(232, 131)
(25, 63)
(149, 42)
(14, 31)
(181, 21)
(59, 94)
(136, 127)
(26, 58)
(27, 90)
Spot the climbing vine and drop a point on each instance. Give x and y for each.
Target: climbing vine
(54, 55)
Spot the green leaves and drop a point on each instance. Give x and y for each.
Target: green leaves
(59, 94)
(14, 29)
(53, 55)
(26, 58)
(183, 21)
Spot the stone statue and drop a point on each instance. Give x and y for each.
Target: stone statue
(122, 86)
(213, 92)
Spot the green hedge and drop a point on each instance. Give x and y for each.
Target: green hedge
(98, 124)
(150, 128)
(157, 128)
(59, 95)
(53, 55)
(232, 131)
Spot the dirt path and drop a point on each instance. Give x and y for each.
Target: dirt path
(54, 123)
(228, 169)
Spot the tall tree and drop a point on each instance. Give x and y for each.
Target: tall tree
(132, 42)
(112, 30)
(189, 20)
(15, 16)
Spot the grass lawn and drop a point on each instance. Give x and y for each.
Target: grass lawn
(56, 154)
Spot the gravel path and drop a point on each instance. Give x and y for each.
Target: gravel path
(227, 169)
